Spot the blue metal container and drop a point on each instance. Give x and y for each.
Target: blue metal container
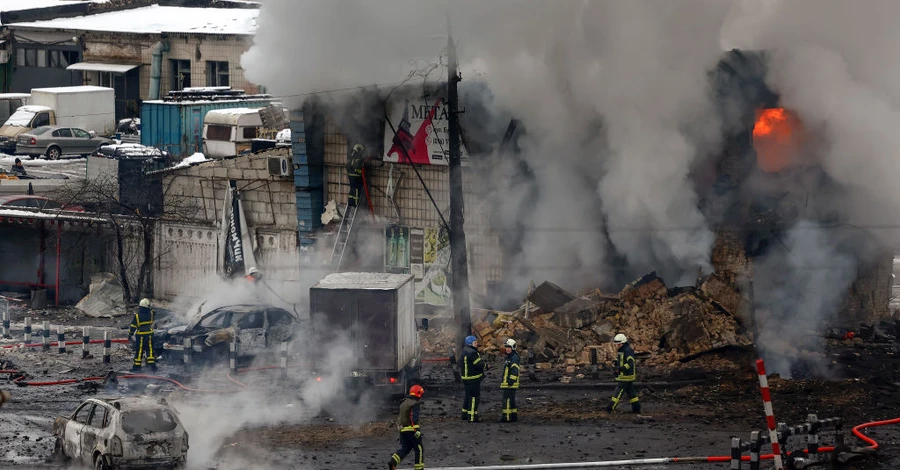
(177, 127)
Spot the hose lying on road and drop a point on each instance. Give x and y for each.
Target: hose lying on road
(53, 343)
(857, 431)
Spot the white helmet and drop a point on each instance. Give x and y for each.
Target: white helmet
(145, 302)
(620, 339)
(252, 271)
(510, 343)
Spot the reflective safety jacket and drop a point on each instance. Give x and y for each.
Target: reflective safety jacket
(471, 367)
(511, 371)
(142, 324)
(408, 420)
(625, 364)
(355, 163)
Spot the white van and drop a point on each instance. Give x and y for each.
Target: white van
(228, 132)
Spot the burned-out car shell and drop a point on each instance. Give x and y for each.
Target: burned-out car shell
(120, 433)
(258, 327)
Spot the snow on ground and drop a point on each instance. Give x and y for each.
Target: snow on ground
(6, 159)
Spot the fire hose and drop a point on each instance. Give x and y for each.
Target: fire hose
(857, 431)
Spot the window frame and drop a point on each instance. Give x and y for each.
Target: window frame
(218, 73)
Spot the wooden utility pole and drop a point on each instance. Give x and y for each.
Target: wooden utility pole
(459, 276)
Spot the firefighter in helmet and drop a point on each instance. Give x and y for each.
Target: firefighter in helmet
(141, 334)
(410, 432)
(624, 369)
(253, 274)
(355, 164)
(471, 369)
(510, 382)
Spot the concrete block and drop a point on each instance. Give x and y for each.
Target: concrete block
(235, 174)
(220, 172)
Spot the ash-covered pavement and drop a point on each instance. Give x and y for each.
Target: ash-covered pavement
(256, 420)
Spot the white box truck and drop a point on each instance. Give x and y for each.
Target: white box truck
(371, 318)
(91, 108)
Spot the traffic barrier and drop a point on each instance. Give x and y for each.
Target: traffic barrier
(61, 339)
(232, 353)
(284, 351)
(107, 347)
(27, 330)
(188, 352)
(6, 323)
(85, 341)
(770, 414)
(46, 336)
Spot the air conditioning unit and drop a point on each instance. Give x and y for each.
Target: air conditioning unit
(280, 166)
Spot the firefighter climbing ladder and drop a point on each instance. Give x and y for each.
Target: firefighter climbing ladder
(343, 236)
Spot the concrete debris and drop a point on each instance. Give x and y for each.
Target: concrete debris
(548, 297)
(664, 325)
(105, 298)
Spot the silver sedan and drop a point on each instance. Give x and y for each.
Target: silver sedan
(55, 141)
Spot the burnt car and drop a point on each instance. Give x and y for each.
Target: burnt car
(257, 329)
(119, 433)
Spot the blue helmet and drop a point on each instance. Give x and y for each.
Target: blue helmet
(470, 340)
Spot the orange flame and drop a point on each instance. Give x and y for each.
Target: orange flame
(776, 139)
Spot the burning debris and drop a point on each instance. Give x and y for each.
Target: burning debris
(667, 325)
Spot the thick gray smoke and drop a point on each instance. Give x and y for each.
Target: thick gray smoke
(617, 109)
(612, 94)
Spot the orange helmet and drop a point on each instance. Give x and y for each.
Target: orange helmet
(416, 391)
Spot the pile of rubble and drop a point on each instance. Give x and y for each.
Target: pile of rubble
(665, 326)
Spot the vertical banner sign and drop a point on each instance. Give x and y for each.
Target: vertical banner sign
(417, 253)
(235, 245)
(434, 288)
(422, 131)
(396, 250)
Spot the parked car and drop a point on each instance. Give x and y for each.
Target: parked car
(55, 141)
(259, 329)
(128, 432)
(36, 202)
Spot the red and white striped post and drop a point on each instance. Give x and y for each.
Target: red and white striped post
(770, 414)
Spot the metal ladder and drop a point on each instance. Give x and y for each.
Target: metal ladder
(343, 236)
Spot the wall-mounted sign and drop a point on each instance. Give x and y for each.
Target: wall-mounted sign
(422, 132)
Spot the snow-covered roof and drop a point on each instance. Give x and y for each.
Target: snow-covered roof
(371, 281)
(71, 89)
(157, 19)
(47, 215)
(234, 111)
(18, 5)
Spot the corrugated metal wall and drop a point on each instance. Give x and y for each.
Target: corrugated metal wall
(178, 127)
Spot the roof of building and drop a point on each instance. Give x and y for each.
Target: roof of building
(368, 281)
(18, 5)
(157, 19)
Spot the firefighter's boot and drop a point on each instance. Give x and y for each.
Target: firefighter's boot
(636, 407)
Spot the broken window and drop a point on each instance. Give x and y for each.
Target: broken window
(145, 421)
(250, 132)
(98, 417)
(181, 74)
(217, 73)
(215, 320)
(83, 413)
(218, 132)
(249, 320)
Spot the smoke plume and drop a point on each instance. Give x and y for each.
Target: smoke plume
(618, 113)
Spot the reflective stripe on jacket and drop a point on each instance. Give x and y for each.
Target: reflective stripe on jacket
(511, 371)
(471, 367)
(625, 363)
(142, 324)
(408, 419)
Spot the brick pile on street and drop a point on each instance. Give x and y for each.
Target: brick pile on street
(666, 326)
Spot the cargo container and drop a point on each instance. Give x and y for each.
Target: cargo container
(177, 126)
(374, 315)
